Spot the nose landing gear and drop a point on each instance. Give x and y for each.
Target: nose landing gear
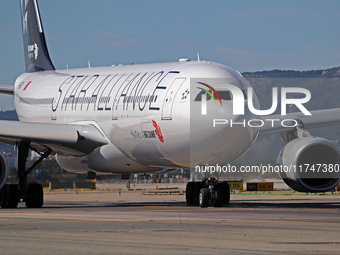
(208, 191)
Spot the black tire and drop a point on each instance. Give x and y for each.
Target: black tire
(198, 187)
(190, 193)
(34, 196)
(204, 197)
(10, 196)
(224, 186)
(3, 196)
(218, 201)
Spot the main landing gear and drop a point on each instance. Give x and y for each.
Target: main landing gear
(30, 193)
(208, 191)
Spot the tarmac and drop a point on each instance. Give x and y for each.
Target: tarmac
(129, 222)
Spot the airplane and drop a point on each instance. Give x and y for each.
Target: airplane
(142, 118)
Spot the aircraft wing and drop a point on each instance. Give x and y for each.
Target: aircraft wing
(72, 139)
(6, 89)
(319, 118)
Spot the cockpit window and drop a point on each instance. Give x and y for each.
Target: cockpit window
(224, 95)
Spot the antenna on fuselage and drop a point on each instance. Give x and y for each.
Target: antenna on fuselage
(89, 63)
(198, 57)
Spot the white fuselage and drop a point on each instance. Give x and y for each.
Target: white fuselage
(143, 111)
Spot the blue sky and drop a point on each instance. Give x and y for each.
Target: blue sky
(246, 35)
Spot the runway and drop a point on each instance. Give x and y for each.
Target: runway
(103, 222)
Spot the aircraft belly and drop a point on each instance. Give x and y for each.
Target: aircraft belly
(146, 142)
(104, 159)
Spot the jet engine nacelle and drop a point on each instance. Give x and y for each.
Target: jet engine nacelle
(3, 170)
(310, 164)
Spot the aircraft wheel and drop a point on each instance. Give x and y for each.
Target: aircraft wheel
(3, 196)
(204, 197)
(218, 201)
(190, 193)
(224, 186)
(35, 195)
(10, 196)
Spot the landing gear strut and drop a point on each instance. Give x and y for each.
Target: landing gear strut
(30, 193)
(208, 191)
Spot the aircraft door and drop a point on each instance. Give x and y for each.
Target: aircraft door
(170, 98)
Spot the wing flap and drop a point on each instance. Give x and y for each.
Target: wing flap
(72, 139)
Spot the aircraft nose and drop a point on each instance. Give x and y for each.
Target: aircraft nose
(217, 135)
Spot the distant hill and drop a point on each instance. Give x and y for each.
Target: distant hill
(327, 73)
(324, 86)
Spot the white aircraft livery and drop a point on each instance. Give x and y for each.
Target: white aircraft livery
(142, 118)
